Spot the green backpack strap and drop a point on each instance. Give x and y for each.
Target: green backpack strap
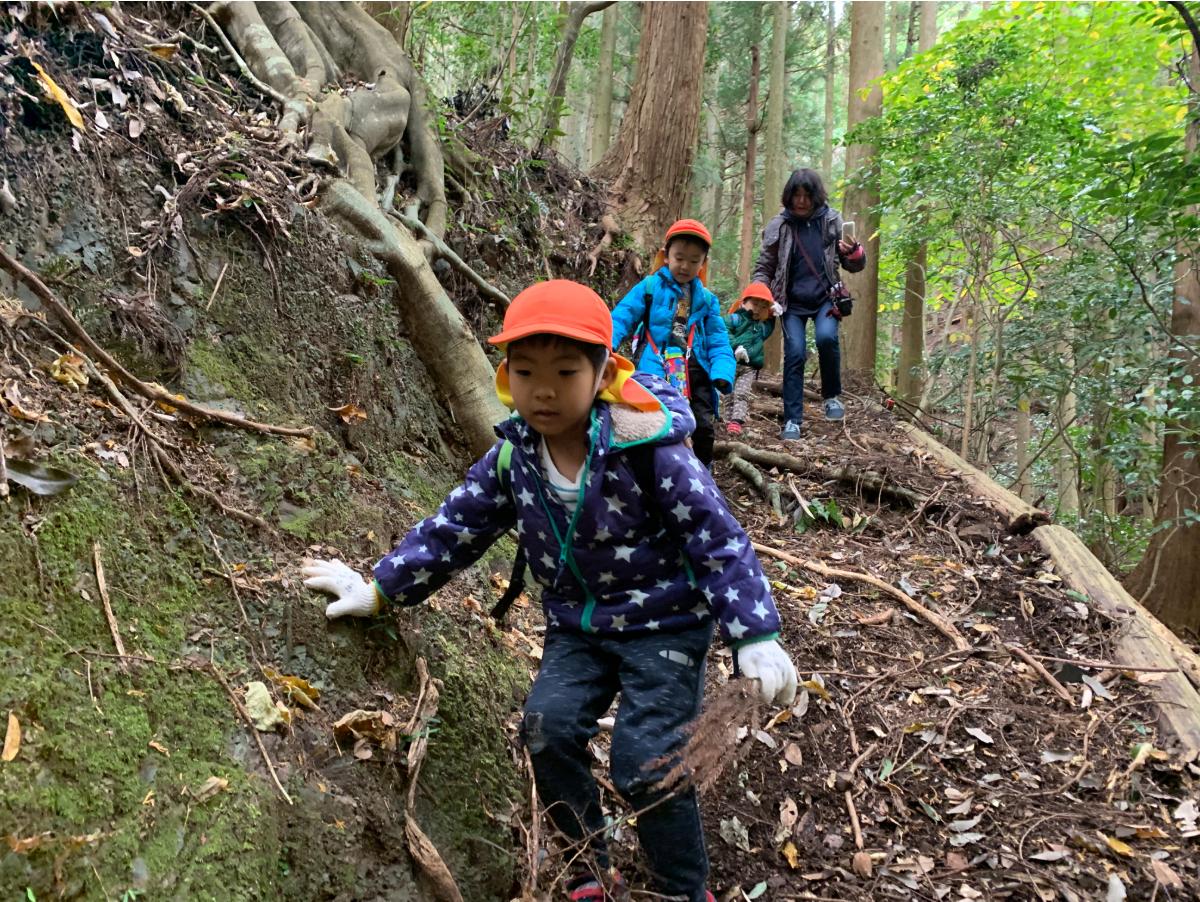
(504, 464)
(516, 582)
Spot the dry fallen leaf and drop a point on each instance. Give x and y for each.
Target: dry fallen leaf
(791, 854)
(788, 812)
(350, 413)
(12, 739)
(159, 747)
(861, 864)
(1164, 875)
(295, 689)
(68, 369)
(793, 754)
(210, 788)
(818, 688)
(1117, 846)
(60, 96)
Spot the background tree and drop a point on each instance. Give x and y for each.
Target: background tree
(661, 122)
(862, 192)
(572, 22)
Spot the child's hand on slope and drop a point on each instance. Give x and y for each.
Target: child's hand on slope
(768, 663)
(355, 596)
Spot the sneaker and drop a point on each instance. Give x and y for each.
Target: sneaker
(734, 428)
(588, 888)
(791, 431)
(834, 409)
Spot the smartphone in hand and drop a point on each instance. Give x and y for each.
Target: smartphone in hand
(848, 233)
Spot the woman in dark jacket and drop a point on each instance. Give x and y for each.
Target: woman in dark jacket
(802, 248)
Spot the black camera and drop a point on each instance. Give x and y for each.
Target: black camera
(842, 299)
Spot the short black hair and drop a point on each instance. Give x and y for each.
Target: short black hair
(690, 239)
(595, 354)
(810, 181)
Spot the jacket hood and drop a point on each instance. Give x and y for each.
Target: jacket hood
(815, 216)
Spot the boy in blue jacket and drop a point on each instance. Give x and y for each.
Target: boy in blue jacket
(677, 323)
(635, 574)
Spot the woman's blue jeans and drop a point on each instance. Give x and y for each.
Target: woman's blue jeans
(795, 355)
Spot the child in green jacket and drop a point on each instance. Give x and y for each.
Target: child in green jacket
(749, 325)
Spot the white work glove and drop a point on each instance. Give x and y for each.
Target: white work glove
(776, 308)
(740, 353)
(768, 663)
(355, 596)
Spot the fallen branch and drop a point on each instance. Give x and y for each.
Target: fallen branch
(102, 585)
(498, 298)
(3, 468)
(857, 479)
(937, 621)
(1041, 671)
(768, 488)
(776, 388)
(73, 326)
(420, 847)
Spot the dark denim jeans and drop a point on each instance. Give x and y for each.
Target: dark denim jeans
(795, 355)
(661, 681)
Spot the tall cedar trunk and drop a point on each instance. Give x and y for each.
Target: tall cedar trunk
(774, 165)
(830, 60)
(602, 100)
(510, 63)
(557, 90)
(890, 57)
(1066, 470)
(710, 210)
(1167, 580)
(1024, 428)
(661, 123)
(910, 381)
(743, 270)
(860, 331)
(968, 422)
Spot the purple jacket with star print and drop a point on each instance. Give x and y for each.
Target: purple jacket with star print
(619, 566)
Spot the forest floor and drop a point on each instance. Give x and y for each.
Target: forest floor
(953, 774)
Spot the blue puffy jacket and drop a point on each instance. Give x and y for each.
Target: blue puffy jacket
(624, 564)
(710, 346)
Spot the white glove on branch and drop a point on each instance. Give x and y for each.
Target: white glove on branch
(355, 596)
(768, 663)
(776, 308)
(740, 353)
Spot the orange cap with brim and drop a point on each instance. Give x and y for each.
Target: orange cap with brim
(755, 291)
(566, 308)
(692, 228)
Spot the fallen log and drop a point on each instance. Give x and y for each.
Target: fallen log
(859, 480)
(776, 389)
(1143, 640)
(1017, 511)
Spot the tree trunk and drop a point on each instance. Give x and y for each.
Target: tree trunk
(774, 165)
(661, 123)
(1024, 428)
(747, 248)
(968, 423)
(394, 16)
(911, 376)
(1066, 469)
(557, 90)
(1167, 580)
(602, 100)
(860, 331)
(710, 210)
(830, 61)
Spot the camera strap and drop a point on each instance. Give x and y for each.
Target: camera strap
(799, 243)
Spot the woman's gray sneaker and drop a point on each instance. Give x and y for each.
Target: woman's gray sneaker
(834, 409)
(791, 431)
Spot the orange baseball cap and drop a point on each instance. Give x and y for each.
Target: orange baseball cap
(755, 291)
(693, 228)
(566, 308)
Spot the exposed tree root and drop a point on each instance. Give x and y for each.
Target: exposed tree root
(498, 298)
(937, 621)
(768, 488)
(150, 392)
(434, 325)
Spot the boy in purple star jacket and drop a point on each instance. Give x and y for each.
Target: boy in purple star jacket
(632, 586)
